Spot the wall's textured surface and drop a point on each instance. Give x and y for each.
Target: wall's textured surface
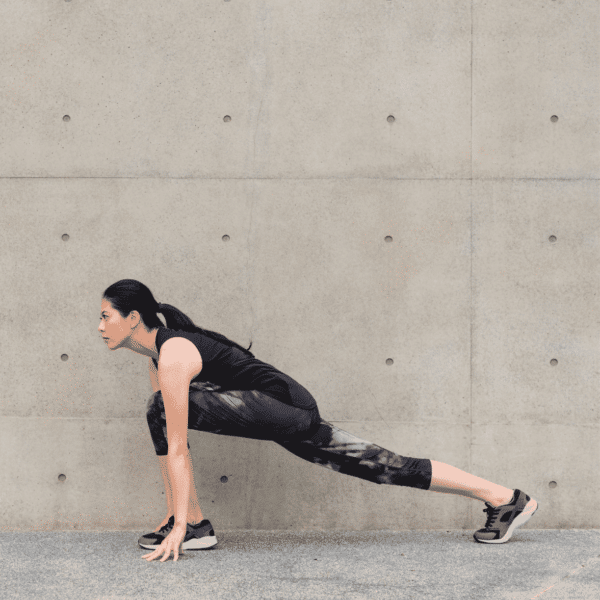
(490, 278)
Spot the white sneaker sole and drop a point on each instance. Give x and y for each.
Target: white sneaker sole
(208, 541)
(149, 546)
(194, 544)
(527, 513)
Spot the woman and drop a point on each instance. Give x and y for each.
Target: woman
(206, 382)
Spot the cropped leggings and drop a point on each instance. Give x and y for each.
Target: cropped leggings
(252, 414)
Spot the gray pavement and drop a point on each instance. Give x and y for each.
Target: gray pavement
(365, 565)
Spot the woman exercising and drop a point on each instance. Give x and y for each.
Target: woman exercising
(206, 382)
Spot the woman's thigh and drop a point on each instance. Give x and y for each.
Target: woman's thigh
(247, 413)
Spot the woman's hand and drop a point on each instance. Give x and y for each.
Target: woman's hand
(170, 544)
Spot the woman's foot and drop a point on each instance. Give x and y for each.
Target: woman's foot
(151, 541)
(168, 519)
(199, 536)
(503, 520)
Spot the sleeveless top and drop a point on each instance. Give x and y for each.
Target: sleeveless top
(233, 369)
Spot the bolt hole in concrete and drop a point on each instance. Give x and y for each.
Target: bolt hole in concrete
(224, 479)
(225, 238)
(552, 238)
(389, 361)
(552, 484)
(65, 237)
(62, 477)
(226, 118)
(64, 357)
(391, 119)
(389, 238)
(554, 118)
(553, 362)
(66, 118)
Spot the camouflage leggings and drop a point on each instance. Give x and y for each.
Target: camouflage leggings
(252, 414)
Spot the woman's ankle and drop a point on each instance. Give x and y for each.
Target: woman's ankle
(194, 518)
(501, 500)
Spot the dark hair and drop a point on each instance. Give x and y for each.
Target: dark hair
(128, 294)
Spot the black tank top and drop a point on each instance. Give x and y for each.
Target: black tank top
(233, 369)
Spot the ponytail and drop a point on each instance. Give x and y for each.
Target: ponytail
(128, 294)
(181, 322)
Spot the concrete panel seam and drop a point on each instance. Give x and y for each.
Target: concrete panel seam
(336, 421)
(340, 178)
(358, 422)
(58, 418)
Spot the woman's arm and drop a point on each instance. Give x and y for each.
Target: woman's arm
(179, 363)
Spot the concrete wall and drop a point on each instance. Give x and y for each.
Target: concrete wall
(116, 162)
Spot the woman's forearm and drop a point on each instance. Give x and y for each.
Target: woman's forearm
(179, 474)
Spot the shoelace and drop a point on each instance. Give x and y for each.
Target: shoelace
(493, 513)
(166, 526)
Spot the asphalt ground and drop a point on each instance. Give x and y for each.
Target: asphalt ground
(305, 565)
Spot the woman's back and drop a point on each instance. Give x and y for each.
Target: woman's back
(234, 369)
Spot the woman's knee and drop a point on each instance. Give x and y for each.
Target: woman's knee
(304, 428)
(315, 422)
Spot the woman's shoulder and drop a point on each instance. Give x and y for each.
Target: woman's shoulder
(164, 333)
(196, 337)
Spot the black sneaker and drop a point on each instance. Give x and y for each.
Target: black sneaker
(151, 541)
(197, 537)
(503, 520)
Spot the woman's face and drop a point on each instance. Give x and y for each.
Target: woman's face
(112, 326)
